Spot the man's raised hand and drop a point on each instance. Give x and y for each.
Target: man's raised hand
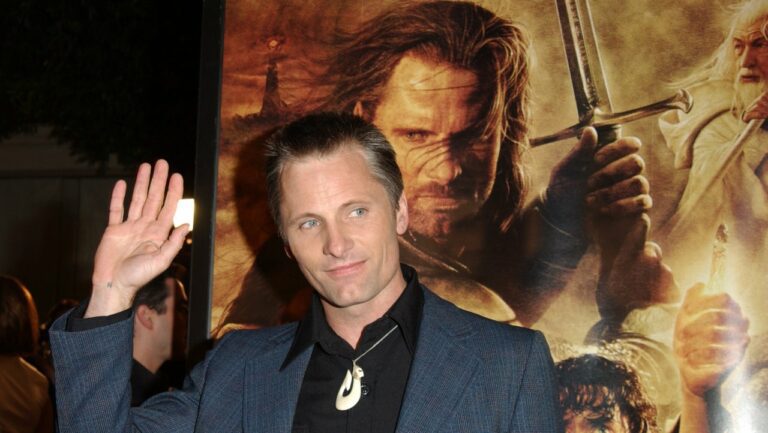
(137, 248)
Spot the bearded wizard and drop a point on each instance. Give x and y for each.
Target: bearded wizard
(729, 91)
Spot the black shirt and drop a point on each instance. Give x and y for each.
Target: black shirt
(145, 384)
(386, 367)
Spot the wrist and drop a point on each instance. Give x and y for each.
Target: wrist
(106, 299)
(565, 214)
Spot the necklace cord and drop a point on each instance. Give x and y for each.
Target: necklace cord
(354, 361)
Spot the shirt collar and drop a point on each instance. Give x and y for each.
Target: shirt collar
(406, 312)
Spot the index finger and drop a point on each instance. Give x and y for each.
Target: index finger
(623, 168)
(116, 203)
(618, 149)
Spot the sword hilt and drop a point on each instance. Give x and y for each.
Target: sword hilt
(681, 100)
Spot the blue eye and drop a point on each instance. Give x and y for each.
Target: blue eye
(308, 224)
(358, 212)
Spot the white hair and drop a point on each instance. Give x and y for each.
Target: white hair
(722, 65)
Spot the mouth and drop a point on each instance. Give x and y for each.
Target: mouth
(442, 203)
(345, 269)
(749, 78)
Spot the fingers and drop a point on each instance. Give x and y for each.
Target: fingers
(710, 338)
(716, 337)
(720, 358)
(628, 206)
(147, 198)
(574, 167)
(156, 190)
(616, 171)
(139, 192)
(757, 110)
(585, 148)
(627, 188)
(116, 203)
(172, 197)
(696, 300)
(709, 319)
(172, 246)
(617, 150)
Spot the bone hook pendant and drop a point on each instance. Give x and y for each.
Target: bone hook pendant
(349, 392)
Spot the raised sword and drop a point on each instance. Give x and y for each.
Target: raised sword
(590, 88)
(593, 103)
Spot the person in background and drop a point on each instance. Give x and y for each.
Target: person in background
(25, 406)
(159, 336)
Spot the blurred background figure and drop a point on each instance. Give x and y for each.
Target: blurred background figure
(25, 405)
(159, 337)
(43, 360)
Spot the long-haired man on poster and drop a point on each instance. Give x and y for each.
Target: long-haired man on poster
(448, 84)
(377, 352)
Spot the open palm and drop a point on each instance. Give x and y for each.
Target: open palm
(136, 248)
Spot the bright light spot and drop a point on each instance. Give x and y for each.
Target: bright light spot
(591, 350)
(185, 213)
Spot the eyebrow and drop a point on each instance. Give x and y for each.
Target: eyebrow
(751, 36)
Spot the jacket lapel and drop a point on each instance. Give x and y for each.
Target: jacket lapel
(270, 397)
(441, 371)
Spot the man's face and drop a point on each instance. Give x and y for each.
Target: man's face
(751, 49)
(595, 422)
(341, 228)
(427, 111)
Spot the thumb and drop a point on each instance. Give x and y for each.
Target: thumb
(173, 245)
(586, 147)
(576, 164)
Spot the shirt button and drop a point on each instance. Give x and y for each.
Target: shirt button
(365, 389)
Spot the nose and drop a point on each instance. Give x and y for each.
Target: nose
(747, 59)
(444, 168)
(337, 242)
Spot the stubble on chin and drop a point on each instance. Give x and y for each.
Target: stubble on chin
(435, 226)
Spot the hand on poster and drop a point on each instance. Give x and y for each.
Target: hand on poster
(638, 277)
(758, 109)
(617, 187)
(710, 339)
(135, 249)
(608, 180)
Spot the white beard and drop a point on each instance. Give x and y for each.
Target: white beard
(746, 94)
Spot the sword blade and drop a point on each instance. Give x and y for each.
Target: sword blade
(581, 51)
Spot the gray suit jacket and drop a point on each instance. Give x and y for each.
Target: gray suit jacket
(468, 375)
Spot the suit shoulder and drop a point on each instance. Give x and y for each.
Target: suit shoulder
(463, 321)
(254, 341)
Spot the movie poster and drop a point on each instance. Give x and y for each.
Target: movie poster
(608, 302)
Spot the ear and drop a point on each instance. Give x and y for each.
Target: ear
(401, 215)
(359, 110)
(287, 249)
(144, 316)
